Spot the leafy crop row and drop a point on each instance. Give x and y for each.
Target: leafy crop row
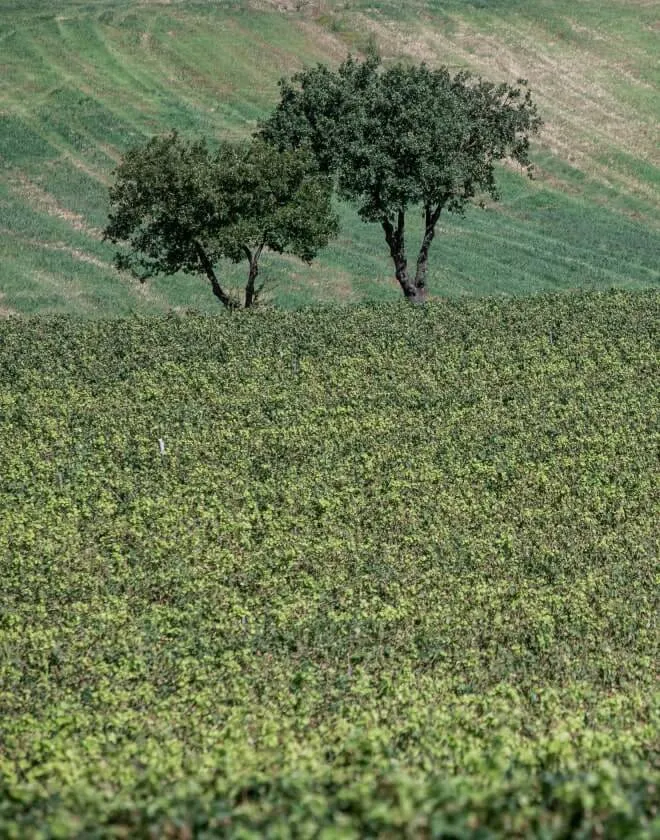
(339, 573)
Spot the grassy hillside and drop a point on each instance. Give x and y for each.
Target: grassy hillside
(371, 572)
(80, 81)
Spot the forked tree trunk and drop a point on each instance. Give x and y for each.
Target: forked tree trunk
(413, 289)
(251, 290)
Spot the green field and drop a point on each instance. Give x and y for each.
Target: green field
(375, 571)
(81, 81)
(323, 570)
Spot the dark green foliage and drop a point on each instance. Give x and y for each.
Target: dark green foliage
(355, 595)
(181, 207)
(404, 137)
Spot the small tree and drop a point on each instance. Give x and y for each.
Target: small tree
(404, 137)
(180, 207)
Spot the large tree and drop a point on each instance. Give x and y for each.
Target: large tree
(404, 137)
(178, 206)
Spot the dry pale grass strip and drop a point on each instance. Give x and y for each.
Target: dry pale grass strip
(45, 202)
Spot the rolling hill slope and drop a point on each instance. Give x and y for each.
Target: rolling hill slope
(81, 82)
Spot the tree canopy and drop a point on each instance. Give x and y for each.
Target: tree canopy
(178, 206)
(404, 137)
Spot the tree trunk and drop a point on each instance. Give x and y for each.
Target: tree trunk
(395, 238)
(414, 290)
(431, 219)
(250, 291)
(207, 265)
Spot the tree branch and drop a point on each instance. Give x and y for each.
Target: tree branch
(389, 231)
(401, 220)
(207, 265)
(396, 242)
(250, 293)
(431, 217)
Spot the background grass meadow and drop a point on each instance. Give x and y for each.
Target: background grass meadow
(82, 81)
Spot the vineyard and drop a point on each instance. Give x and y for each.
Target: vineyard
(376, 571)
